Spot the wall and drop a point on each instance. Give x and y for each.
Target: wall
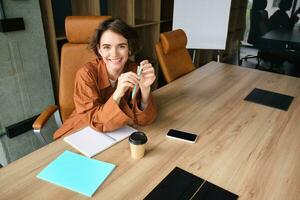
(25, 83)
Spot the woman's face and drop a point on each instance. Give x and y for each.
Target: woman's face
(114, 50)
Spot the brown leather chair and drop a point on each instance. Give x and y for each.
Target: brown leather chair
(74, 54)
(173, 57)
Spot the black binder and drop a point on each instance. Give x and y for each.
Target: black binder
(271, 99)
(182, 185)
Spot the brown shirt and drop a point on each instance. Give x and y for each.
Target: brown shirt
(95, 107)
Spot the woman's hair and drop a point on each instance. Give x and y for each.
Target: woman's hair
(120, 27)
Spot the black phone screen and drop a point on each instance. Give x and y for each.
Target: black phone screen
(182, 135)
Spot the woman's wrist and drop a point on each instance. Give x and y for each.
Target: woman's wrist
(145, 94)
(116, 97)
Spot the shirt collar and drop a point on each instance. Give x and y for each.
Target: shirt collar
(103, 73)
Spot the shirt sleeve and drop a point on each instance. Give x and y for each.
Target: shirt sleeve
(90, 103)
(146, 116)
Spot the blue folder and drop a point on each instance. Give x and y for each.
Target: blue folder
(76, 172)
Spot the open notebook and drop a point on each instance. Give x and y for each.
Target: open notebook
(91, 142)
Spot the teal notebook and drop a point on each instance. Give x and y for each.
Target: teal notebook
(76, 172)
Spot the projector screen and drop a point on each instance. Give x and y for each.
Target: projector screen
(205, 22)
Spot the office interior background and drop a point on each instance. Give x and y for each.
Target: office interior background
(246, 49)
(29, 56)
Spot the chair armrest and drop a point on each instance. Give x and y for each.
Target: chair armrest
(44, 117)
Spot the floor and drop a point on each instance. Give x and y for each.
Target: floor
(286, 68)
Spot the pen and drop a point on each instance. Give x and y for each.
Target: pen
(139, 72)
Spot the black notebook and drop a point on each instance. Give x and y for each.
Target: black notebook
(268, 98)
(179, 184)
(182, 185)
(211, 191)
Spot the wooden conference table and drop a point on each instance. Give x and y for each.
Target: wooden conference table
(249, 149)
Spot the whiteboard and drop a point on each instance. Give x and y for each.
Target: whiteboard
(205, 22)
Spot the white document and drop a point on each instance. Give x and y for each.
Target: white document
(91, 142)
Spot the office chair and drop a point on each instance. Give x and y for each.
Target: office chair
(173, 57)
(74, 54)
(258, 27)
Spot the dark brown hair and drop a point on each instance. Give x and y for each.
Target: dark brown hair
(120, 27)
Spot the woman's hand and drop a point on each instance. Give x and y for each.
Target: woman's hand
(147, 77)
(125, 81)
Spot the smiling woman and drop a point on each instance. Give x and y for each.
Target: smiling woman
(102, 93)
(114, 51)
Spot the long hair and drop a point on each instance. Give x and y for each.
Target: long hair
(120, 27)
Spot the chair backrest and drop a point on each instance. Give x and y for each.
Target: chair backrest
(258, 22)
(173, 57)
(75, 54)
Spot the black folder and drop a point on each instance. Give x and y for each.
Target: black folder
(182, 185)
(271, 99)
(210, 191)
(179, 184)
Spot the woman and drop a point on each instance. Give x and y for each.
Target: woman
(103, 87)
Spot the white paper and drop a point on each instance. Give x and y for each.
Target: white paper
(91, 142)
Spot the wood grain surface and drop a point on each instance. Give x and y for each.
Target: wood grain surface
(246, 148)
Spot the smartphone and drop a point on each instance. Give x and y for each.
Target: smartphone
(180, 135)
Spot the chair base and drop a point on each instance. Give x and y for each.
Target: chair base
(240, 60)
(250, 57)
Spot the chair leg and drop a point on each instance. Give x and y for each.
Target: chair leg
(247, 57)
(258, 63)
(240, 61)
(38, 134)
